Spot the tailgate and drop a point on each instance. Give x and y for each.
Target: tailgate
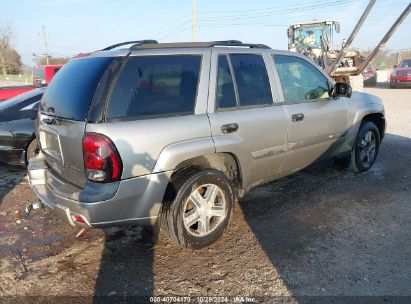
(63, 114)
(61, 142)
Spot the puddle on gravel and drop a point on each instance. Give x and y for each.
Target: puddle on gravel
(377, 172)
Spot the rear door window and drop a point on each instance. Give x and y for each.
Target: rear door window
(69, 94)
(155, 86)
(225, 86)
(252, 79)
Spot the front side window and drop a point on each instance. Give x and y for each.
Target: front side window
(252, 79)
(300, 80)
(151, 86)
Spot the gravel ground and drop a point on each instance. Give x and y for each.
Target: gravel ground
(320, 232)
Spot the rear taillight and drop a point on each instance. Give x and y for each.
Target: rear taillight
(101, 159)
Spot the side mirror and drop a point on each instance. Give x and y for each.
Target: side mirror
(395, 66)
(342, 89)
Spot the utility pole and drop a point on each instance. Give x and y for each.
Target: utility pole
(193, 20)
(45, 45)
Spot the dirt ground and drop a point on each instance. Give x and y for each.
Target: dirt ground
(320, 232)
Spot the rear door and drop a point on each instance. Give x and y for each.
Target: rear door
(315, 120)
(62, 116)
(244, 118)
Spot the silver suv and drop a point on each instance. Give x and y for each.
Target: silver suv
(175, 133)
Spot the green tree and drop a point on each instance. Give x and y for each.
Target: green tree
(14, 61)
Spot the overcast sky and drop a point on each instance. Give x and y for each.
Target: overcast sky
(75, 26)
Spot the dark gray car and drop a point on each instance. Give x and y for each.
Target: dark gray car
(17, 121)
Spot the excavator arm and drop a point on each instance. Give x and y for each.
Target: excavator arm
(333, 68)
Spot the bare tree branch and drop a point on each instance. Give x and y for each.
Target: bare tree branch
(6, 36)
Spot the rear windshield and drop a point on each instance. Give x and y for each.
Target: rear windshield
(156, 86)
(70, 93)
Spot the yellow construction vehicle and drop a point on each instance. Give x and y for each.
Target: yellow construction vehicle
(315, 40)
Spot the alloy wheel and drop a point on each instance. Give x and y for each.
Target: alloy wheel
(368, 148)
(204, 210)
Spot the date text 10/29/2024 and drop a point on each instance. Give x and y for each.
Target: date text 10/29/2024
(200, 299)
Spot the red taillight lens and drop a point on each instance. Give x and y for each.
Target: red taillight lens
(101, 159)
(78, 218)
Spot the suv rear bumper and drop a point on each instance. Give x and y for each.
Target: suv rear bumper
(134, 201)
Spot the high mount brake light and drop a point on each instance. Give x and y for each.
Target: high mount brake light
(101, 159)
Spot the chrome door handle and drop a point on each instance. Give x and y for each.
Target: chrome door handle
(230, 128)
(297, 117)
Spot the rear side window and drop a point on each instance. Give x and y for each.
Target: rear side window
(252, 79)
(225, 85)
(150, 86)
(70, 93)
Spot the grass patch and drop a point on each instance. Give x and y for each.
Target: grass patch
(17, 78)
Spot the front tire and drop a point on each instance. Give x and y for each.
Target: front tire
(197, 208)
(366, 147)
(31, 150)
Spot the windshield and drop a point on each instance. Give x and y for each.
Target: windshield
(39, 76)
(309, 36)
(21, 98)
(405, 63)
(69, 94)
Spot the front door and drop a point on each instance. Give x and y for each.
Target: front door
(315, 120)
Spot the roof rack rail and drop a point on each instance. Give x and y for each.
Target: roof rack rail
(199, 45)
(135, 43)
(237, 43)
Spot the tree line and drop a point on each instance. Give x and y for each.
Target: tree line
(388, 58)
(10, 60)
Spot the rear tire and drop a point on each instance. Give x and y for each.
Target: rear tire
(198, 207)
(366, 147)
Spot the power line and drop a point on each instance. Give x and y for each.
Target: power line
(296, 5)
(290, 10)
(116, 12)
(175, 30)
(127, 20)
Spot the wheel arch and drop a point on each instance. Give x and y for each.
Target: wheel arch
(26, 147)
(225, 162)
(378, 119)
